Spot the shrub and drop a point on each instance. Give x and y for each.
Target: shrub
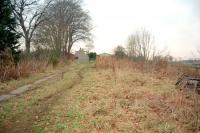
(92, 56)
(60, 126)
(54, 60)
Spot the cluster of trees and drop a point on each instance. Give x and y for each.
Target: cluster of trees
(54, 25)
(140, 46)
(65, 22)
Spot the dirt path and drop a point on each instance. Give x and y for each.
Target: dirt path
(23, 121)
(24, 88)
(32, 85)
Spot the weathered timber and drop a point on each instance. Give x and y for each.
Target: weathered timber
(186, 82)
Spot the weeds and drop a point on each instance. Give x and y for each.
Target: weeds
(60, 126)
(166, 128)
(54, 60)
(160, 67)
(23, 69)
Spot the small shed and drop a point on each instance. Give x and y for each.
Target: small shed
(81, 56)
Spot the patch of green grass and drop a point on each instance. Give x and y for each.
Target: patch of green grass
(13, 84)
(38, 130)
(5, 111)
(195, 124)
(81, 98)
(75, 115)
(61, 126)
(77, 125)
(75, 118)
(165, 127)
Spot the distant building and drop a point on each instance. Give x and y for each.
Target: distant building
(81, 56)
(105, 55)
(190, 62)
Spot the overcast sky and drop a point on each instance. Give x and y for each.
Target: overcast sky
(175, 24)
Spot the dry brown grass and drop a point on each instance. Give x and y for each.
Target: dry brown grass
(29, 72)
(162, 68)
(135, 102)
(169, 111)
(23, 69)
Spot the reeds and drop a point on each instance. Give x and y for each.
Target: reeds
(161, 68)
(22, 69)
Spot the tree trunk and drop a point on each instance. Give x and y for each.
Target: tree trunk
(28, 44)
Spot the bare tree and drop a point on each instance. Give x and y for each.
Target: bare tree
(68, 24)
(29, 16)
(132, 46)
(140, 44)
(120, 52)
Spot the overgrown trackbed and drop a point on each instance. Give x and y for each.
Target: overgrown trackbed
(20, 113)
(99, 100)
(26, 88)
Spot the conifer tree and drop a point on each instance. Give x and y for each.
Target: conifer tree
(8, 36)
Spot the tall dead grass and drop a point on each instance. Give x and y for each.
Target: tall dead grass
(23, 69)
(182, 106)
(114, 63)
(161, 67)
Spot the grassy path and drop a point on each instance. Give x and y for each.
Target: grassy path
(8, 86)
(20, 113)
(27, 87)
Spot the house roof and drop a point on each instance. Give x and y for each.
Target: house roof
(105, 54)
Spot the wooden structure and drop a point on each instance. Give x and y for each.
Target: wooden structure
(188, 83)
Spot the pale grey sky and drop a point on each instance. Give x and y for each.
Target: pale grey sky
(175, 24)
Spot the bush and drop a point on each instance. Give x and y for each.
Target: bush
(92, 56)
(54, 60)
